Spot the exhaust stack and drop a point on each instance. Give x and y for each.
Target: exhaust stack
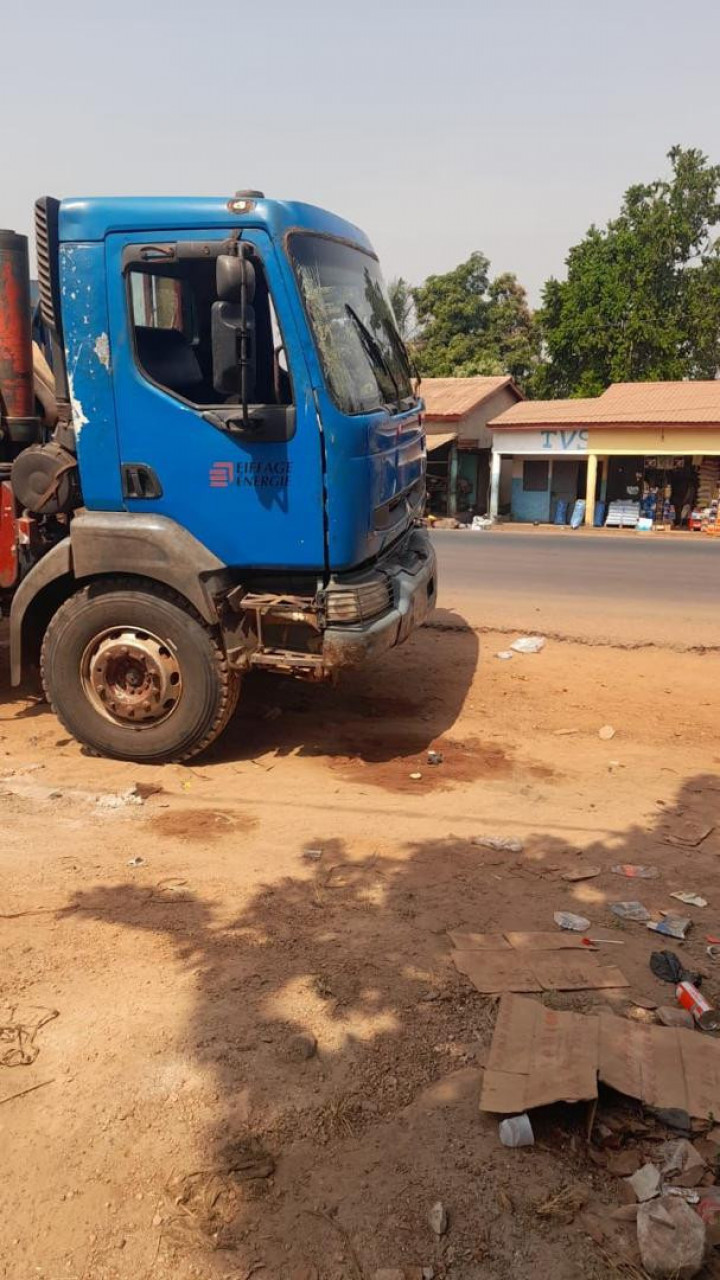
(18, 419)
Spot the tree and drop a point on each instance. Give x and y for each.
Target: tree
(470, 324)
(400, 295)
(642, 297)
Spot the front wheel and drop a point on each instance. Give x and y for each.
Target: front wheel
(133, 672)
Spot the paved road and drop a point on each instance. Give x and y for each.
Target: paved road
(625, 588)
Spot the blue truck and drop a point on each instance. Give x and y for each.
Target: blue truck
(229, 473)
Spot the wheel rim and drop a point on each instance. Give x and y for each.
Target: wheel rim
(131, 677)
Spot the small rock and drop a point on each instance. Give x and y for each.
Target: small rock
(415, 777)
(671, 1238)
(434, 757)
(301, 1047)
(438, 1218)
(624, 1163)
(136, 862)
(683, 1165)
(606, 733)
(646, 1182)
(428, 1273)
(671, 1017)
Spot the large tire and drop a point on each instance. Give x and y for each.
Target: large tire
(133, 672)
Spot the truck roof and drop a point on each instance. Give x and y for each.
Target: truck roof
(93, 218)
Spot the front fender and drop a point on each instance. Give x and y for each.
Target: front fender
(57, 563)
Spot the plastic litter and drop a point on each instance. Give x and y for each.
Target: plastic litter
(606, 733)
(481, 523)
(646, 1183)
(713, 951)
(528, 644)
(566, 920)
(517, 1132)
(501, 844)
(635, 872)
(504, 654)
(690, 899)
(671, 926)
(631, 911)
(669, 968)
(434, 757)
(415, 777)
(136, 862)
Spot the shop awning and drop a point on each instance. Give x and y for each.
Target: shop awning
(437, 442)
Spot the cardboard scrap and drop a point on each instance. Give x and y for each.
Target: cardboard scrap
(540, 1055)
(493, 972)
(498, 962)
(514, 941)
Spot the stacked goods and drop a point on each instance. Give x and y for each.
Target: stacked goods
(708, 472)
(711, 518)
(622, 515)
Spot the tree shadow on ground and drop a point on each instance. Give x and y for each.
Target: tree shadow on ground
(387, 709)
(344, 1053)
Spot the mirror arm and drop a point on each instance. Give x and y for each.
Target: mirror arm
(244, 352)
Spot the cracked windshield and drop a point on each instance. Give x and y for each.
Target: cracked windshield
(363, 356)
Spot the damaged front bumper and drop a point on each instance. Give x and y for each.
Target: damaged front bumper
(411, 574)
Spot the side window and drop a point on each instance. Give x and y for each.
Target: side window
(171, 307)
(159, 302)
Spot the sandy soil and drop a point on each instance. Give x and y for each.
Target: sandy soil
(295, 883)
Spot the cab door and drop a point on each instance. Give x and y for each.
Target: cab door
(251, 498)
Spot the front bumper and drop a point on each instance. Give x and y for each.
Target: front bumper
(413, 576)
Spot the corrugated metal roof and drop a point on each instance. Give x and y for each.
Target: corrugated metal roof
(450, 399)
(536, 413)
(437, 441)
(624, 404)
(644, 402)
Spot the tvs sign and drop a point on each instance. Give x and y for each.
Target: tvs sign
(570, 440)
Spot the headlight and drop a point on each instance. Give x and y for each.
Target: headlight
(358, 604)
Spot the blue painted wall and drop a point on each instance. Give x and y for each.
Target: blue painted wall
(529, 506)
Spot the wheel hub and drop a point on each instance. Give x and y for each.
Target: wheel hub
(131, 677)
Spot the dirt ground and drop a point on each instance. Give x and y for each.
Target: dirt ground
(175, 1118)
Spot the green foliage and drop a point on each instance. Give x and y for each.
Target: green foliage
(470, 324)
(642, 297)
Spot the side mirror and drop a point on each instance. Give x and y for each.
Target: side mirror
(229, 334)
(233, 275)
(233, 329)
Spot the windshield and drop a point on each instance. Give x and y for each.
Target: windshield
(363, 356)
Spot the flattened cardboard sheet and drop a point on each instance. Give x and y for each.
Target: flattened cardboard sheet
(494, 972)
(516, 941)
(540, 1055)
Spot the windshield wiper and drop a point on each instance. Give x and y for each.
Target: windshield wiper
(373, 348)
(401, 350)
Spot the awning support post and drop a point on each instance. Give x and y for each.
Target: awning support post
(590, 489)
(495, 464)
(452, 481)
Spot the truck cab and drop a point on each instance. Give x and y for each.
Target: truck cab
(236, 474)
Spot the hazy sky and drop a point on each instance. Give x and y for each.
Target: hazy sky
(440, 128)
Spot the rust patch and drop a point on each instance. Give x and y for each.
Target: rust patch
(200, 824)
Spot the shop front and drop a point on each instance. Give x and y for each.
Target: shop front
(643, 455)
(546, 469)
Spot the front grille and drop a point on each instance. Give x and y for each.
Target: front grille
(360, 603)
